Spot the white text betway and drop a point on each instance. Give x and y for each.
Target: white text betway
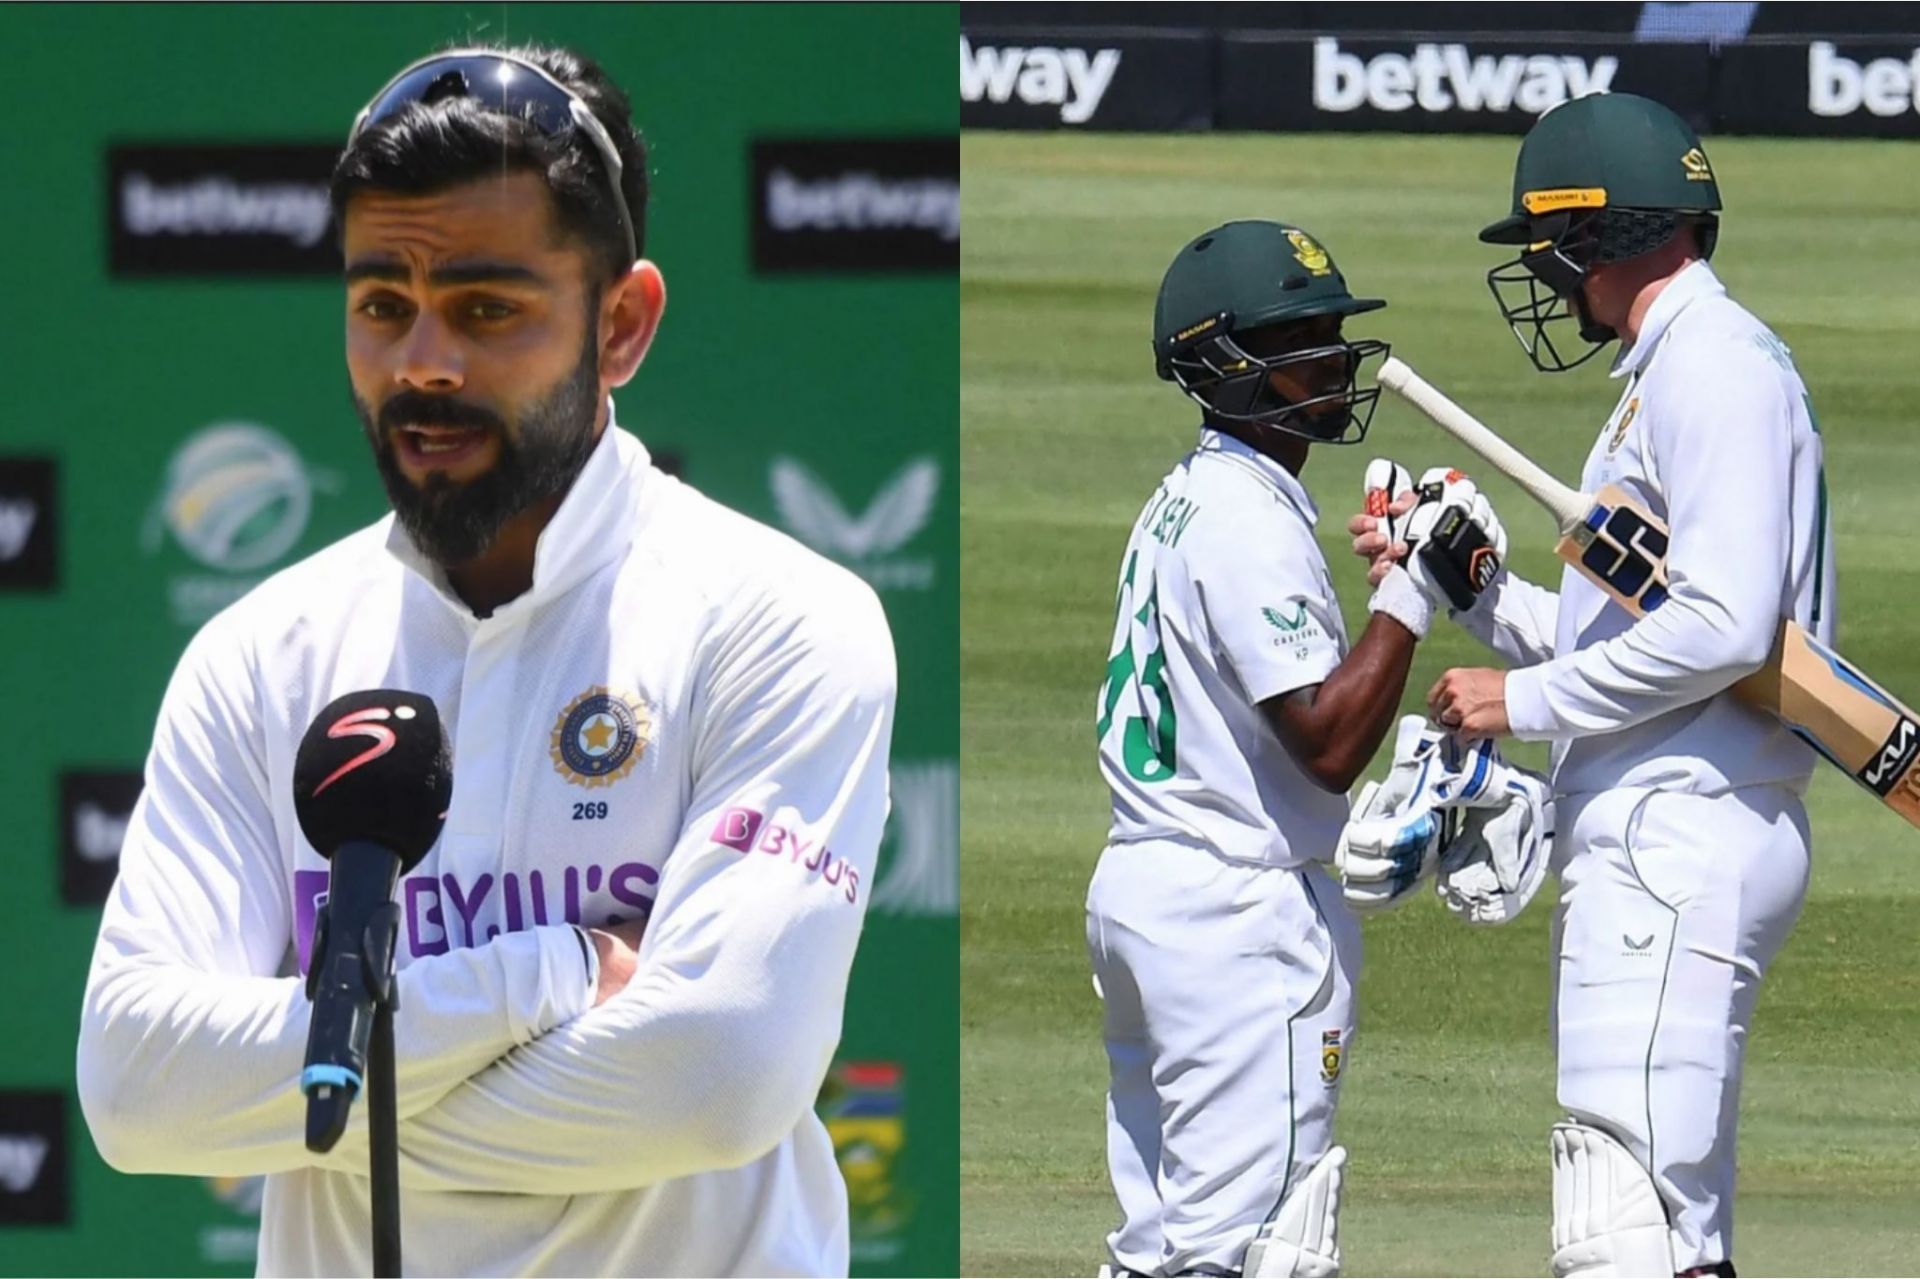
(17, 518)
(20, 1160)
(1071, 79)
(221, 206)
(863, 202)
(1446, 77)
(1837, 85)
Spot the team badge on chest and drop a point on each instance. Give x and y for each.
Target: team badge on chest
(600, 737)
(1620, 427)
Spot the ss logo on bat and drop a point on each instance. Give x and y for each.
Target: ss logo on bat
(1626, 553)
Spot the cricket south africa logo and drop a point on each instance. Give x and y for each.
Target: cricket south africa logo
(870, 542)
(1330, 1056)
(236, 498)
(600, 736)
(1308, 254)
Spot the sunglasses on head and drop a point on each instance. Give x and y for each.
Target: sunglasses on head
(510, 86)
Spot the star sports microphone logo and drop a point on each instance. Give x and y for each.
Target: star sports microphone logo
(359, 724)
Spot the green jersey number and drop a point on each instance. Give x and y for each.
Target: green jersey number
(1133, 685)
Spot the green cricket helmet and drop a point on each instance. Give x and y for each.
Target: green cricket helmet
(1228, 318)
(1602, 178)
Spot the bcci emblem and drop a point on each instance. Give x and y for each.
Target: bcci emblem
(1329, 1056)
(600, 737)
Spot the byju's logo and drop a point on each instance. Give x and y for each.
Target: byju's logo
(920, 854)
(95, 808)
(856, 204)
(254, 209)
(29, 556)
(33, 1158)
(866, 542)
(236, 498)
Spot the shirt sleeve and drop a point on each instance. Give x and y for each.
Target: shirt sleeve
(717, 1048)
(190, 1046)
(1723, 455)
(1515, 618)
(1272, 617)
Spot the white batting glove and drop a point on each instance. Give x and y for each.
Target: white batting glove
(1383, 487)
(1498, 860)
(1458, 546)
(1378, 532)
(1393, 838)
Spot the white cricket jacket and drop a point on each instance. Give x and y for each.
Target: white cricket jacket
(688, 716)
(1714, 433)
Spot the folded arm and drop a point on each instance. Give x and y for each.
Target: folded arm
(718, 1046)
(190, 1048)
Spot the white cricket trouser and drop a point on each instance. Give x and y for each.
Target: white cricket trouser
(1229, 1015)
(1671, 908)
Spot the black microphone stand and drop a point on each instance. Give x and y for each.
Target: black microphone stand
(326, 1111)
(382, 1121)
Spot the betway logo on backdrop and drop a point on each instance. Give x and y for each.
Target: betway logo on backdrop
(856, 204)
(33, 1157)
(1448, 77)
(29, 555)
(1839, 86)
(95, 809)
(200, 209)
(1071, 79)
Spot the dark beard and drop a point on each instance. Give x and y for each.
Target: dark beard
(455, 523)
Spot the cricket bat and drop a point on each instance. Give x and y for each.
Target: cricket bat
(1621, 547)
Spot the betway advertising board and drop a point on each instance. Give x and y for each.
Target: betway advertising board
(1124, 79)
(1832, 88)
(1493, 85)
(1148, 79)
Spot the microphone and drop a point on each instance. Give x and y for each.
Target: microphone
(371, 783)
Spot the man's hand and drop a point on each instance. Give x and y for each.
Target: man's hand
(618, 948)
(1389, 495)
(1472, 701)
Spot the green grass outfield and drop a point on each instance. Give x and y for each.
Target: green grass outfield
(1066, 431)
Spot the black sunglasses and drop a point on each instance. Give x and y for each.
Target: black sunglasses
(511, 86)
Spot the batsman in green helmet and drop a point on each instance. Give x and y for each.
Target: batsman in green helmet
(1601, 180)
(1233, 718)
(1248, 324)
(1683, 843)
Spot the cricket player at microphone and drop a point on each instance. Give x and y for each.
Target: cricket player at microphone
(1683, 842)
(622, 967)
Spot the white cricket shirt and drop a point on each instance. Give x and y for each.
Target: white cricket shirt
(686, 717)
(1224, 602)
(1714, 433)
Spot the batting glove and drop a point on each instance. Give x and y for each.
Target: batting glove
(1499, 858)
(1394, 837)
(1457, 545)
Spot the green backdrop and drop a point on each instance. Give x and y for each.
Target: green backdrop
(852, 377)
